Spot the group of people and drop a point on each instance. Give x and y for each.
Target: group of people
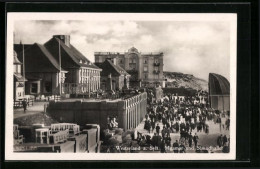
(112, 123)
(180, 115)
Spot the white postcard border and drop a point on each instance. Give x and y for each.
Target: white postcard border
(210, 17)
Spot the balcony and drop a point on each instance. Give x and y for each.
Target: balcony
(156, 72)
(156, 64)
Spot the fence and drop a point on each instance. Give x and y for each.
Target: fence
(19, 103)
(48, 98)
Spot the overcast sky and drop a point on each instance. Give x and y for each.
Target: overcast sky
(196, 48)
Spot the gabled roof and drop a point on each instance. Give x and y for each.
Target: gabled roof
(50, 57)
(38, 59)
(77, 57)
(19, 47)
(109, 68)
(218, 85)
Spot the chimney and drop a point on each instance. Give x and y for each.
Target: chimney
(64, 38)
(114, 61)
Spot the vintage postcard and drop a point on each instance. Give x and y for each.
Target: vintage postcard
(121, 86)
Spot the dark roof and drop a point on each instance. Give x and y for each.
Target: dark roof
(33, 78)
(19, 77)
(218, 85)
(38, 59)
(19, 47)
(50, 57)
(108, 67)
(75, 56)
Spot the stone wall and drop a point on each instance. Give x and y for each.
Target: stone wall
(129, 112)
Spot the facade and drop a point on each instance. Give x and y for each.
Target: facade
(146, 68)
(19, 80)
(57, 67)
(83, 76)
(219, 92)
(114, 73)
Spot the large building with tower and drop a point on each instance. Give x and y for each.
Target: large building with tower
(146, 69)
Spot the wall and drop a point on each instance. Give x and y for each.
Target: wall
(130, 112)
(18, 91)
(220, 102)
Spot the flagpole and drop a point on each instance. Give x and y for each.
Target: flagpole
(23, 64)
(60, 67)
(23, 70)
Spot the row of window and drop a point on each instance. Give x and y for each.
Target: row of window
(86, 72)
(86, 80)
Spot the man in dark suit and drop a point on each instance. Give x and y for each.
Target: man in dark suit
(158, 129)
(175, 147)
(190, 140)
(220, 141)
(195, 139)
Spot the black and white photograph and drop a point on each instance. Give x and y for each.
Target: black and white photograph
(121, 86)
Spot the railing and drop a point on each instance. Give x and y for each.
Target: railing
(77, 88)
(108, 53)
(72, 128)
(47, 98)
(59, 137)
(19, 103)
(153, 53)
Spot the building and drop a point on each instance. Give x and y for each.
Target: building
(144, 68)
(57, 67)
(83, 76)
(19, 80)
(219, 92)
(42, 71)
(117, 75)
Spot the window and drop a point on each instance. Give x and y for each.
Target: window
(121, 61)
(145, 68)
(145, 76)
(34, 88)
(145, 61)
(156, 60)
(156, 69)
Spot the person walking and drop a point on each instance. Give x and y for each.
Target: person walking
(24, 103)
(175, 147)
(157, 129)
(220, 141)
(190, 140)
(182, 148)
(195, 139)
(225, 140)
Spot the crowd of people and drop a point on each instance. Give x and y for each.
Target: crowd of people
(183, 115)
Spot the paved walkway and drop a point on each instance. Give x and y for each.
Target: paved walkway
(37, 107)
(204, 139)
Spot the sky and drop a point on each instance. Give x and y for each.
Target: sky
(190, 47)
